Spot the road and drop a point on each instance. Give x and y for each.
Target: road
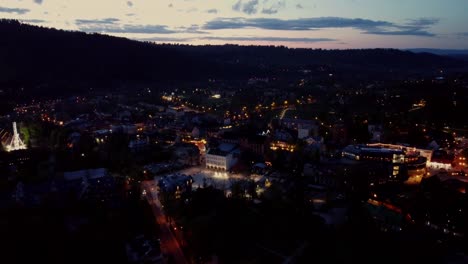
(283, 112)
(169, 244)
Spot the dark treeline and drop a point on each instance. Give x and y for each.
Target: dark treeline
(38, 55)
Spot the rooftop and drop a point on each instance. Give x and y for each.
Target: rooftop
(89, 174)
(223, 149)
(358, 149)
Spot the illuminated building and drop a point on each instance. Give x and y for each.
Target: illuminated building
(200, 143)
(401, 161)
(441, 160)
(281, 145)
(224, 157)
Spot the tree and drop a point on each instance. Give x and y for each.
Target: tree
(237, 189)
(24, 132)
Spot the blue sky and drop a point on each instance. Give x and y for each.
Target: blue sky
(295, 23)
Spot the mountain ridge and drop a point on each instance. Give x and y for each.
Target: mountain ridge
(33, 54)
(444, 52)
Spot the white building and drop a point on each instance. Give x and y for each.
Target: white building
(223, 157)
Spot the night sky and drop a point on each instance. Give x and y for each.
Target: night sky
(295, 23)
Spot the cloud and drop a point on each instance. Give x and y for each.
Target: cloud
(237, 6)
(416, 32)
(129, 3)
(33, 21)
(250, 7)
(417, 27)
(193, 29)
(237, 39)
(269, 11)
(110, 20)
(165, 39)
(273, 8)
(293, 24)
(414, 27)
(423, 22)
(212, 11)
(109, 25)
(299, 6)
(270, 39)
(191, 10)
(39, 2)
(140, 29)
(19, 11)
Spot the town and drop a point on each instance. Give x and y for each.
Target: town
(233, 132)
(270, 170)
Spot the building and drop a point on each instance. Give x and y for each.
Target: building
(187, 154)
(282, 145)
(174, 185)
(403, 162)
(441, 160)
(255, 143)
(224, 157)
(95, 186)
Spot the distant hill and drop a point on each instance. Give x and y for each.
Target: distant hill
(31, 54)
(444, 52)
(459, 54)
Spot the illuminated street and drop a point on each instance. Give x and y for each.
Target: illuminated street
(169, 244)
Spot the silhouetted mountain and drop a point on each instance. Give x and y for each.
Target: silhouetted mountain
(38, 55)
(444, 52)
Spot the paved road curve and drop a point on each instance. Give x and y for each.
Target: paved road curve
(169, 244)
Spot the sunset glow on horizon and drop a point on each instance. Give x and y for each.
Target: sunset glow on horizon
(337, 24)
